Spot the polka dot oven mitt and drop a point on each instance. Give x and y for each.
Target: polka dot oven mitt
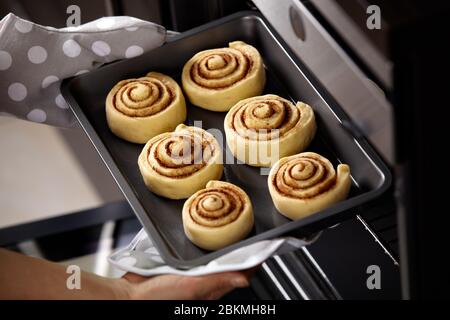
(35, 59)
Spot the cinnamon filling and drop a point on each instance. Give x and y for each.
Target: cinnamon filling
(210, 72)
(265, 119)
(143, 98)
(180, 154)
(216, 207)
(304, 178)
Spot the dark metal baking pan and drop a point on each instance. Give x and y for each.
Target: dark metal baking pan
(161, 217)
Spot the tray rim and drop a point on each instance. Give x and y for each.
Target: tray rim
(141, 213)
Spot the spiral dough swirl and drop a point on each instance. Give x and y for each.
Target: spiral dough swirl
(181, 153)
(221, 68)
(305, 176)
(264, 118)
(216, 79)
(143, 97)
(216, 207)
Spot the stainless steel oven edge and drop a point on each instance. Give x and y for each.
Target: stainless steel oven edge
(362, 100)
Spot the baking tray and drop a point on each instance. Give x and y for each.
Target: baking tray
(161, 218)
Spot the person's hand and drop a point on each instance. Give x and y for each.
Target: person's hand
(173, 287)
(23, 277)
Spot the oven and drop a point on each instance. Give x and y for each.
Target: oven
(378, 60)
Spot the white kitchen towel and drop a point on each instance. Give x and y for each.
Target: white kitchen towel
(34, 59)
(141, 256)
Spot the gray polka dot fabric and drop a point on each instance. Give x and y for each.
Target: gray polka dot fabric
(35, 59)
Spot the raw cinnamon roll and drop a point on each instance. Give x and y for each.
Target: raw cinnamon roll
(217, 216)
(218, 78)
(263, 129)
(177, 164)
(307, 183)
(139, 109)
